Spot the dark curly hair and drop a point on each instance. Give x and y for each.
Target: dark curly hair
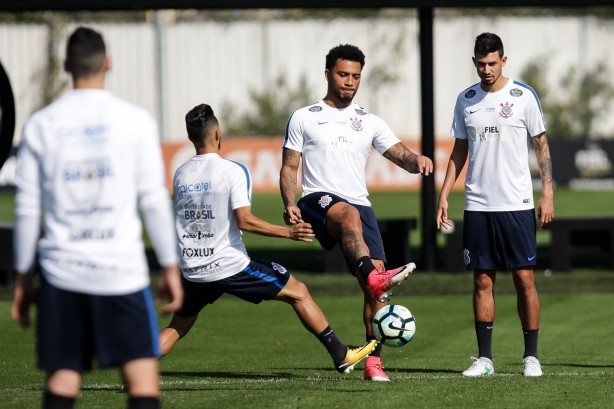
(344, 52)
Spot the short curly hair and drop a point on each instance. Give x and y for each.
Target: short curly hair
(344, 52)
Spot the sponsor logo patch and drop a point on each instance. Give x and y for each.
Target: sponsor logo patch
(515, 92)
(199, 214)
(197, 252)
(315, 108)
(92, 234)
(470, 94)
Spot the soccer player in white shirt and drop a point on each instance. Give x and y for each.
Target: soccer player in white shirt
(494, 122)
(334, 138)
(88, 163)
(212, 198)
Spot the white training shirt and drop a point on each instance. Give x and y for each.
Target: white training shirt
(89, 161)
(207, 189)
(499, 126)
(335, 144)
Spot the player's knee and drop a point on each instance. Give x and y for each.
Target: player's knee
(524, 279)
(350, 219)
(295, 290)
(483, 283)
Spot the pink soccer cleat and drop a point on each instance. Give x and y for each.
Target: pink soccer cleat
(382, 282)
(374, 371)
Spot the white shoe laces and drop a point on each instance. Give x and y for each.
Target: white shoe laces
(531, 363)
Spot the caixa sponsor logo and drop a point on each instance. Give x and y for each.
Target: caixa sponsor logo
(199, 215)
(197, 252)
(194, 187)
(83, 172)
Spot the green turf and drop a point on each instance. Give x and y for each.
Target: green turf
(241, 355)
(568, 203)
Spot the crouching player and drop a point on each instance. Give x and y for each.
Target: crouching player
(212, 199)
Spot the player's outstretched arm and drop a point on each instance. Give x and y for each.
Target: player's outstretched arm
(253, 224)
(404, 158)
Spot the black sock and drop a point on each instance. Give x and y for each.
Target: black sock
(53, 401)
(333, 345)
(143, 402)
(483, 330)
(364, 266)
(530, 342)
(378, 348)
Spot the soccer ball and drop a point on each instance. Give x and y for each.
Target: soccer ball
(394, 325)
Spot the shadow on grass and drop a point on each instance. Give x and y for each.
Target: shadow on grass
(232, 375)
(423, 371)
(584, 365)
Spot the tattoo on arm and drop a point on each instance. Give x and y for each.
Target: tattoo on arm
(287, 176)
(402, 157)
(544, 161)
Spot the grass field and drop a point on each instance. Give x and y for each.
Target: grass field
(245, 356)
(568, 203)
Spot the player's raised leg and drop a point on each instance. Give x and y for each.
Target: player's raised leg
(344, 222)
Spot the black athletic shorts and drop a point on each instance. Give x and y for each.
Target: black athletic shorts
(260, 280)
(73, 328)
(314, 207)
(499, 240)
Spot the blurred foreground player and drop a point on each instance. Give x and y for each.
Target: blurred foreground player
(212, 198)
(88, 163)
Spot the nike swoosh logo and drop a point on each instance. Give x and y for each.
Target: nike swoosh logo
(530, 258)
(323, 122)
(392, 326)
(473, 112)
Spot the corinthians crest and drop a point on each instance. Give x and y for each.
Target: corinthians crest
(356, 124)
(506, 110)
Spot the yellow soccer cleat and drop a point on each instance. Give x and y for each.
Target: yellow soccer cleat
(355, 355)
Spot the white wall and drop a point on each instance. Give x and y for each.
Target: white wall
(216, 62)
